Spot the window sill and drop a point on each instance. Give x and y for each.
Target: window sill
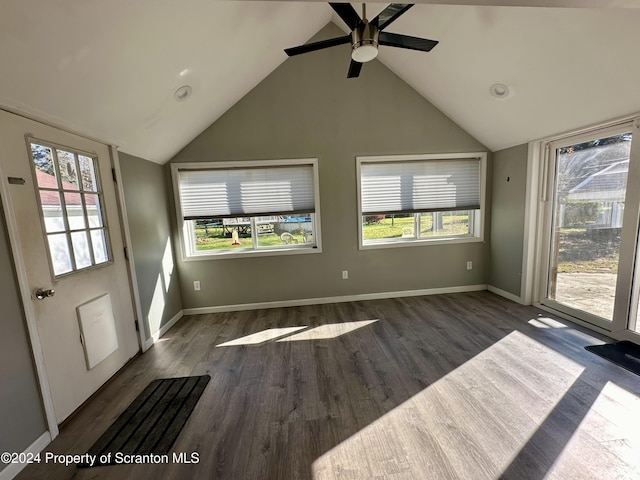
(223, 255)
(420, 243)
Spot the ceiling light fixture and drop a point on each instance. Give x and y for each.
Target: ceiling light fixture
(364, 40)
(364, 43)
(182, 93)
(499, 90)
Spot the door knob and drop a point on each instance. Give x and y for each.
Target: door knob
(42, 294)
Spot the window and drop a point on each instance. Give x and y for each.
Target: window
(70, 198)
(239, 208)
(404, 200)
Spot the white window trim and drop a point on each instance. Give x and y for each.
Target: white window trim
(479, 219)
(186, 233)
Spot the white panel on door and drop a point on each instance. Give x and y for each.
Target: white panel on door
(98, 328)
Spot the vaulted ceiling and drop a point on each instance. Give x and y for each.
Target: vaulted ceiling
(109, 70)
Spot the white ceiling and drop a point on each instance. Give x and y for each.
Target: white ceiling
(108, 70)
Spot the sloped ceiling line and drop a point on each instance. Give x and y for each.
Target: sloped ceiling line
(109, 70)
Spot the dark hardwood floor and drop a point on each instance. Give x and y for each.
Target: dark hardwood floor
(460, 386)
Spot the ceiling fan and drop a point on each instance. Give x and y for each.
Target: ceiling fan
(366, 35)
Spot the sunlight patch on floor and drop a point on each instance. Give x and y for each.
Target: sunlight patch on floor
(288, 334)
(460, 421)
(324, 332)
(261, 337)
(546, 322)
(615, 423)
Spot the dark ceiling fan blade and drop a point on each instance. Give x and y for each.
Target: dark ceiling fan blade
(354, 69)
(312, 47)
(390, 14)
(405, 41)
(347, 13)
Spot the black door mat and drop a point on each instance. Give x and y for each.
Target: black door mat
(625, 354)
(151, 423)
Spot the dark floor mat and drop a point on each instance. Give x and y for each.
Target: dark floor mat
(625, 354)
(151, 423)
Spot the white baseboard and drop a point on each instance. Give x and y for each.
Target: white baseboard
(505, 294)
(340, 299)
(156, 336)
(13, 469)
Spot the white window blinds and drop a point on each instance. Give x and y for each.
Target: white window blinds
(420, 185)
(242, 192)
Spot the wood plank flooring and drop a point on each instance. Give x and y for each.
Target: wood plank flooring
(460, 386)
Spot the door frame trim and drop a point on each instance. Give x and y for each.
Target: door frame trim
(25, 295)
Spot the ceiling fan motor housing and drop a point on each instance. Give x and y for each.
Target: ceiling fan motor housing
(364, 42)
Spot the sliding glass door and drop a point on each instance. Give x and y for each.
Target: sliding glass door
(591, 214)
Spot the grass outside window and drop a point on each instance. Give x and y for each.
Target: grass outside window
(432, 225)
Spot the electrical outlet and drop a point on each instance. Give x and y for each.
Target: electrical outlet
(345, 274)
(469, 265)
(196, 285)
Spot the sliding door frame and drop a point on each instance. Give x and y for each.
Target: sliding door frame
(540, 205)
(629, 329)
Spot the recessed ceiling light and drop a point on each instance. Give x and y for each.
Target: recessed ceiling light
(182, 93)
(499, 90)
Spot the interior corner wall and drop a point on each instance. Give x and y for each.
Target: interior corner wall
(146, 200)
(509, 179)
(308, 108)
(22, 418)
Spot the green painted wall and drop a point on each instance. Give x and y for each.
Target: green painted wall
(148, 211)
(22, 419)
(507, 218)
(308, 108)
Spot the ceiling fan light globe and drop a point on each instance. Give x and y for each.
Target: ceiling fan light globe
(364, 53)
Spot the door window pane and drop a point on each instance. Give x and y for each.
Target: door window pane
(60, 255)
(99, 244)
(67, 169)
(81, 249)
(589, 194)
(94, 212)
(75, 212)
(87, 173)
(52, 211)
(43, 161)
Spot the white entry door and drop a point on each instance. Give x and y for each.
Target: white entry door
(71, 242)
